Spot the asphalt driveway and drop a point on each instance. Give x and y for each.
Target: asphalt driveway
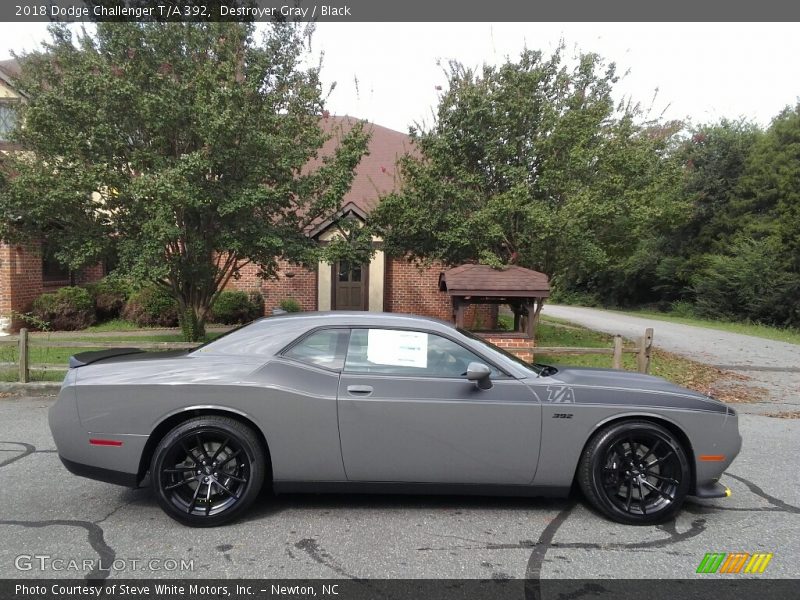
(49, 512)
(770, 365)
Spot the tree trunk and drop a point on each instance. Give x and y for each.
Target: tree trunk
(193, 327)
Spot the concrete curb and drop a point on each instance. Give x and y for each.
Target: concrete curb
(34, 388)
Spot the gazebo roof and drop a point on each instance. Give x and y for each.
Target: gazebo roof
(488, 282)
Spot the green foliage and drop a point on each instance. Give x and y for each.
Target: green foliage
(233, 307)
(749, 282)
(738, 258)
(290, 305)
(682, 308)
(151, 306)
(68, 309)
(714, 157)
(573, 297)
(30, 320)
(109, 295)
(530, 163)
(186, 144)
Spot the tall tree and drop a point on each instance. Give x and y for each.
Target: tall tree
(714, 157)
(187, 145)
(531, 163)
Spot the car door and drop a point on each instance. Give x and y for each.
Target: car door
(407, 413)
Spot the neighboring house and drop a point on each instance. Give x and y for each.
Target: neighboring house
(384, 284)
(25, 271)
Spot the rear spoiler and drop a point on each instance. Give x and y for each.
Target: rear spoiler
(87, 358)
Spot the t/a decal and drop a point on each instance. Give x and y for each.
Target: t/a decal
(560, 394)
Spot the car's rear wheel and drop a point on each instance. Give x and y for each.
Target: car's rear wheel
(635, 472)
(208, 470)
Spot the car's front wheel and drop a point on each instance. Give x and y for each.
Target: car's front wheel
(635, 472)
(208, 470)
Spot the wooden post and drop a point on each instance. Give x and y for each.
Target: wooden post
(643, 356)
(539, 303)
(517, 308)
(617, 360)
(460, 310)
(24, 374)
(530, 323)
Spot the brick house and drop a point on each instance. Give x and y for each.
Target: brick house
(384, 284)
(26, 271)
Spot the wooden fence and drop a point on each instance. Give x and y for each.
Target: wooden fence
(642, 351)
(24, 341)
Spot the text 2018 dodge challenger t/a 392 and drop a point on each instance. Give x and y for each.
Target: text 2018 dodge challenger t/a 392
(370, 402)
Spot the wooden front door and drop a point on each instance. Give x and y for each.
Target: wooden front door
(349, 286)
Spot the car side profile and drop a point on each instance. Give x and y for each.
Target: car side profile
(383, 402)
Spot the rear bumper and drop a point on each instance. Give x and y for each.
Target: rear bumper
(99, 474)
(711, 489)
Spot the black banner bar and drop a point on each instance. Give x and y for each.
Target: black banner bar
(399, 10)
(735, 587)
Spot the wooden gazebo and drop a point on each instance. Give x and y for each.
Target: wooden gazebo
(522, 289)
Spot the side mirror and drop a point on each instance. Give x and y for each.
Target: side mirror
(479, 373)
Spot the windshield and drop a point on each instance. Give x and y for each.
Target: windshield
(538, 369)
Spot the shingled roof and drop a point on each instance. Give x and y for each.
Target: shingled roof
(376, 173)
(485, 281)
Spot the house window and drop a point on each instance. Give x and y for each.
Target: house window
(52, 270)
(8, 120)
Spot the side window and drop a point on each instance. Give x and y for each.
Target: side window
(399, 352)
(324, 348)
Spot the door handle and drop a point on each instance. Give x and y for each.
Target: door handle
(359, 390)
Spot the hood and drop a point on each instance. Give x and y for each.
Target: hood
(626, 380)
(625, 387)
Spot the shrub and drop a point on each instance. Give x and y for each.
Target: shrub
(68, 309)
(257, 305)
(290, 305)
(151, 307)
(750, 283)
(682, 308)
(573, 297)
(110, 296)
(233, 307)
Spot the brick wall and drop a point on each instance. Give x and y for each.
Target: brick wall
(20, 278)
(409, 289)
(294, 281)
(517, 343)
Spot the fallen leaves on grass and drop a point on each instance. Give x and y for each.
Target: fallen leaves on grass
(789, 414)
(712, 381)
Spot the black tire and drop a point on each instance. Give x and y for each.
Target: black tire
(208, 470)
(635, 472)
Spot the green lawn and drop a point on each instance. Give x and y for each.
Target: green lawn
(791, 336)
(115, 325)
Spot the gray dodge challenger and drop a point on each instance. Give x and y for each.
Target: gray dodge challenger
(371, 402)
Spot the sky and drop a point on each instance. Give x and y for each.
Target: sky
(388, 73)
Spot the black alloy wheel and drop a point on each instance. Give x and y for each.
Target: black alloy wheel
(635, 472)
(208, 470)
